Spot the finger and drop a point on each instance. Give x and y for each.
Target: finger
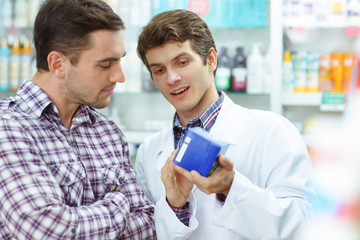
(225, 162)
(197, 178)
(168, 170)
(183, 172)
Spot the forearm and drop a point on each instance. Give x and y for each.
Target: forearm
(168, 226)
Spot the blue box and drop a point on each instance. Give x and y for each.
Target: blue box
(199, 151)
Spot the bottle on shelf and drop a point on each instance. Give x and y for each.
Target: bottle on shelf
(15, 54)
(312, 81)
(336, 70)
(348, 62)
(325, 83)
(223, 72)
(238, 75)
(26, 57)
(299, 70)
(4, 65)
(255, 62)
(287, 73)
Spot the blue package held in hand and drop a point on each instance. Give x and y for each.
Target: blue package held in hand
(199, 151)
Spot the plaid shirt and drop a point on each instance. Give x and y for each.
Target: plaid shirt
(61, 184)
(206, 120)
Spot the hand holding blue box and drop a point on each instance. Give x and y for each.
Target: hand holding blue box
(199, 151)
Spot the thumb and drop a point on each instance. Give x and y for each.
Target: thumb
(225, 162)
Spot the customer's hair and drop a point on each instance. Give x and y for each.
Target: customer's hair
(176, 26)
(65, 25)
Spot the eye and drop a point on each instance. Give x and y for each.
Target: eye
(183, 62)
(158, 70)
(105, 66)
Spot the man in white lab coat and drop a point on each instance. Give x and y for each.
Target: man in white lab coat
(262, 188)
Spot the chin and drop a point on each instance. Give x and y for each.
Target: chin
(100, 105)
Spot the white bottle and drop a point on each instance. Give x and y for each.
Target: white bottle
(255, 71)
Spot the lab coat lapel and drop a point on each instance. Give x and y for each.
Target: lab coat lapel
(227, 123)
(165, 150)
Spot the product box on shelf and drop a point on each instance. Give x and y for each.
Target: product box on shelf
(199, 151)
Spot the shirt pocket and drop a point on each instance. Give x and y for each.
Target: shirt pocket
(71, 177)
(113, 178)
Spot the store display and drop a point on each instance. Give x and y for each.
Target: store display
(312, 72)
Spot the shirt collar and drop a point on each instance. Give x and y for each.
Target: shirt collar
(40, 103)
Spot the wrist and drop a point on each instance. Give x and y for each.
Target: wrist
(227, 189)
(177, 205)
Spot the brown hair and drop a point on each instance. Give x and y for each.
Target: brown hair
(176, 26)
(65, 25)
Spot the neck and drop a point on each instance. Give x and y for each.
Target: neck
(209, 98)
(51, 86)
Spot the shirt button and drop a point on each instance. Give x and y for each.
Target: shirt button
(73, 230)
(67, 179)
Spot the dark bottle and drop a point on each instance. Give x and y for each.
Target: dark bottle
(238, 74)
(223, 72)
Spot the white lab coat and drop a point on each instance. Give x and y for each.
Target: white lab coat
(271, 192)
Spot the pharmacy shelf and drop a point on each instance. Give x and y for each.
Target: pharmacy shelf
(301, 99)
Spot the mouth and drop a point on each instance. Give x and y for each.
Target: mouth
(180, 91)
(109, 90)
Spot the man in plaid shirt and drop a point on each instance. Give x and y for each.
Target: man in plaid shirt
(65, 171)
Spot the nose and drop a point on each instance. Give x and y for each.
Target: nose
(172, 77)
(117, 74)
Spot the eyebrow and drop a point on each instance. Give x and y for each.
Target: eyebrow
(175, 58)
(110, 59)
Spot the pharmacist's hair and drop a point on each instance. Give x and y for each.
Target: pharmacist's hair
(65, 26)
(176, 26)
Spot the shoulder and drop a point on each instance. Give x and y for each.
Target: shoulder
(12, 109)
(101, 122)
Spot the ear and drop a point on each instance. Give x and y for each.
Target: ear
(212, 59)
(56, 63)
